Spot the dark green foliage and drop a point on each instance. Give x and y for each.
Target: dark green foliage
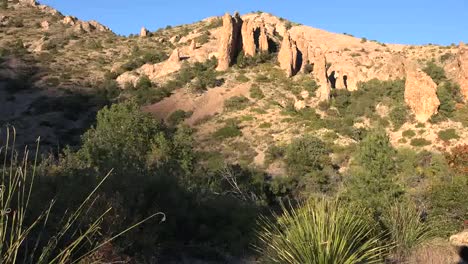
(236, 103)
(363, 101)
(448, 134)
(3, 4)
(144, 83)
(228, 131)
(305, 155)
(445, 57)
(408, 133)
(372, 182)
(448, 202)
(399, 116)
(436, 72)
(177, 117)
(244, 61)
(138, 58)
(448, 94)
(256, 92)
(419, 142)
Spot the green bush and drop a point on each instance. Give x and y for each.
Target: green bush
(419, 142)
(144, 83)
(436, 72)
(177, 117)
(448, 134)
(305, 155)
(448, 94)
(298, 235)
(256, 92)
(398, 116)
(236, 103)
(228, 131)
(408, 133)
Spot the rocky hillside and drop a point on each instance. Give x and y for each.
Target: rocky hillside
(263, 77)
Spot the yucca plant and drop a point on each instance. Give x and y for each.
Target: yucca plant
(20, 239)
(320, 232)
(405, 228)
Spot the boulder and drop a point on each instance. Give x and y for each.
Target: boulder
(460, 239)
(299, 105)
(98, 26)
(420, 94)
(143, 32)
(288, 55)
(126, 79)
(462, 61)
(230, 41)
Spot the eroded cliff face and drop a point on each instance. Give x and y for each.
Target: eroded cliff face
(231, 41)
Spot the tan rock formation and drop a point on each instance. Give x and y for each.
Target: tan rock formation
(127, 79)
(175, 56)
(230, 41)
(248, 38)
(98, 26)
(193, 45)
(462, 61)
(299, 105)
(45, 25)
(420, 94)
(287, 56)
(320, 75)
(143, 32)
(69, 20)
(263, 44)
(28, 2)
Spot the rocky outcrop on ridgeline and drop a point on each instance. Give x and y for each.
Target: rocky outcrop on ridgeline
(175, 56)
(231, 41)
(83, 26)
(462, 61)
(144, 32)
(420, 94)
(288, 56)
(193, 45)
(254, 37)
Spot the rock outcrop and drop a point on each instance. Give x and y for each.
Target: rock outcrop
(193, 45)
(460, 239)
(254, 37)
(263, 44)
(175, 56)
(82, 26)
(230, 41)
(462, 61)
(45, 25)
(320, 75)
(420, 94)
(28, 2)
(248, 38)
(288, 56)
(144, 32)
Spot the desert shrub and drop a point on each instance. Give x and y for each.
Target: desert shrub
(228, 131)
(203, 38)
(244, 61)
(242, 78)
(3, 4)
(405, 229)
(308, 68)
(448, 134)
(448, 209)
(408, 133)
(177, 117)
(363, 40)
(436, 72)
(274, 152)
(298, 234)
(236, 103)
(458, 159)
(144, 83)
(449, 95)
(305, 155)
(372, 182)
(445, 57)
(288, 25)
(265, 125)
(256, 92)
(139, 58)
(461, 115)
(398, 116)
(419, 142)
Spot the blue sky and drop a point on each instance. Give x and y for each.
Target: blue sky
(395, 21)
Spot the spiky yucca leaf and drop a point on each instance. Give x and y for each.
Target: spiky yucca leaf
(320, 232)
